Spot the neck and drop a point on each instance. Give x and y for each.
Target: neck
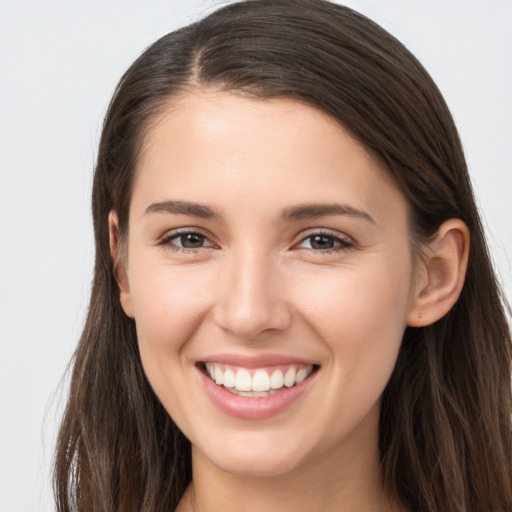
(343, 480)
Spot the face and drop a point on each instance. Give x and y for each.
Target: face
(269, 273)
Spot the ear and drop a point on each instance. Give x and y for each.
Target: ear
(119, 260)
(441, 275)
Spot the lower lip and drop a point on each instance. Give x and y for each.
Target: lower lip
(254, 408)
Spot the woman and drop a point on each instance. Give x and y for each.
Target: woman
(293, 306)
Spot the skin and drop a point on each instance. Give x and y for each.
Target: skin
(257, 285)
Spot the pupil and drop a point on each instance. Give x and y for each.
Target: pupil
(191, 241)
(322, 242)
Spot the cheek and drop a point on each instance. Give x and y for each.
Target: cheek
(355, 302)
(361, 317)
(169, 304)
(167, 298)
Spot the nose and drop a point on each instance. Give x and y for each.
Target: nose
(251, 298)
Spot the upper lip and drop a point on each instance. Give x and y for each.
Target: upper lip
(256, 361)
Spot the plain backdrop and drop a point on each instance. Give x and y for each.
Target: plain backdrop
(59, 64)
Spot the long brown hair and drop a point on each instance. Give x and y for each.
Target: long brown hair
(445, 427)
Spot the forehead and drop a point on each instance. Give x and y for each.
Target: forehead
(208, 146)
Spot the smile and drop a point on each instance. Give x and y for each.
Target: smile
(256, 391)
(257, 382)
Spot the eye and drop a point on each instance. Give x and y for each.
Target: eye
(186, 240)
(325, 242)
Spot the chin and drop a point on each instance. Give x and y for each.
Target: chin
(253, 457)
(255, 465)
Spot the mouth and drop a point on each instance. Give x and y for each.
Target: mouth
(257, 382)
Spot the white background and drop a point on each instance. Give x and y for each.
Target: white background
(59, 64)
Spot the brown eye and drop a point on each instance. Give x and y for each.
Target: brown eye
(191, 240)
(186, 241)
(325, 242)
(321, 242)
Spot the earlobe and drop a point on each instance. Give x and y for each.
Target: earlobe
(443, 274)
(119, 264)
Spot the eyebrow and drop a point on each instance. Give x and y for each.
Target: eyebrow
(183, 208)
(312, 211)
(299, 212)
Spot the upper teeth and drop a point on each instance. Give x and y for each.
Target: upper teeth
(242, 379)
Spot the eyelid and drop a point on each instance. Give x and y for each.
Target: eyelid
(169, 236)
(345, 242)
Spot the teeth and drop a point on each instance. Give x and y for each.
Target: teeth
(243, 381)
(253, 394)
(289, 378)
(229, 379)
(219, 376)
(260, 383)
(301, 375)
(276, 380)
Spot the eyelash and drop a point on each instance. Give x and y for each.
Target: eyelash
(344, 243)
(168, 239)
